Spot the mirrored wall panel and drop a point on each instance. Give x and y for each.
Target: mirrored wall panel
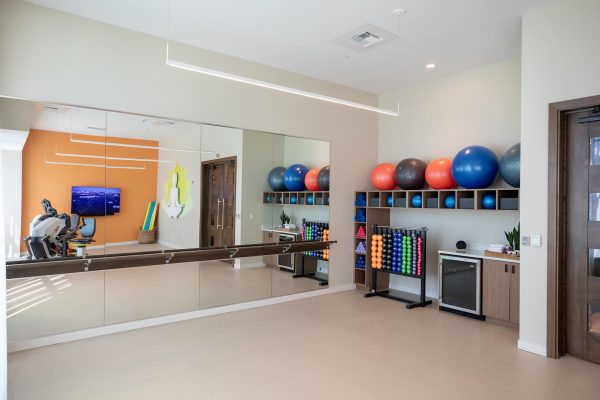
(86, 182)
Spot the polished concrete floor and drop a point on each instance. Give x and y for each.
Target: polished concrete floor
(338, 346)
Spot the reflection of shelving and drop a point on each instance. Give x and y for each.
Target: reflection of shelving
(320, 198)
(465, 199)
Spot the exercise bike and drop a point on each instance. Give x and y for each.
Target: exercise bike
(50, 233)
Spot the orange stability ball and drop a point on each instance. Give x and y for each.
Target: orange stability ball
(383, 176)
(439, 174)
(311, 180)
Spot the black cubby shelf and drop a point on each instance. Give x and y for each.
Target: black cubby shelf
(320, 198)
(506, 199)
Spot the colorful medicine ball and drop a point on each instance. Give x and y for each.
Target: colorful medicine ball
(294, 177)
(410, 174)
(383, 176)
(510, 166)
(275, 179)
(439, 174)
(324, 178)
(475, 167)
(311, 180)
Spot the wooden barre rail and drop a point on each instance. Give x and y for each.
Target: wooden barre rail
(29, 268)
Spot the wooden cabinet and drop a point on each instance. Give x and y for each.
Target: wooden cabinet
(501, 291)
(270, 237)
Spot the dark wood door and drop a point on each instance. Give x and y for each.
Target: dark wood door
(218, 202)
(496, 290)
(582, 256)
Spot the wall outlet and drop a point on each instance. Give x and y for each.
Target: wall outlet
(536, 240)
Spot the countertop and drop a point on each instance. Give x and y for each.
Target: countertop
(281, 230)
(478, 254)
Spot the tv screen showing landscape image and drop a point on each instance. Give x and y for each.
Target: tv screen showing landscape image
(95, 201)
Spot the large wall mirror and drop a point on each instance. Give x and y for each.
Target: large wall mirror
(80, 182)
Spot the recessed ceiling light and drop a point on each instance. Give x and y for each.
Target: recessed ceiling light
(430, 66)
(399, 11)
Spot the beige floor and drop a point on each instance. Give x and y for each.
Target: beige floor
(329, 347)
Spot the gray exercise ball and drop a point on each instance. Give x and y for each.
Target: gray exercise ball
(410, 174)
(323, 178)
(275, 179)
(510, 166)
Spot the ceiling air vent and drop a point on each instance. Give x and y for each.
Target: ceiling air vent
(365, 37)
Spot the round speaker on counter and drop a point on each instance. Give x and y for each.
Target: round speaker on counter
(461, 245)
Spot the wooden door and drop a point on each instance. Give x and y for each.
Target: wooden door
(514, 293)
(218, 202)
(496, 291)
(582, 256)
(228, 203)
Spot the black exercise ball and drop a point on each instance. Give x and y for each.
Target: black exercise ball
(323, 178)
(510, 166)
(410, 174)
(276, 179)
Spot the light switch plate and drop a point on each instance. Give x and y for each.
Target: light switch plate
(536, 240)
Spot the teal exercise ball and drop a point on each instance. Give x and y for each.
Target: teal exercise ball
(510, 166)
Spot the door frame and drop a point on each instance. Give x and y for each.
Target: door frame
(557, 163)
(204, 197)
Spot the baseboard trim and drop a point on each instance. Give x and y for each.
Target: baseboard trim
(531, 348)
(167, 319)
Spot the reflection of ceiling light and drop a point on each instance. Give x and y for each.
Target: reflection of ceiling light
(112, 158)
(273, 86)
(399, 11)
(430, 66)
(137, 146)
(91, 165)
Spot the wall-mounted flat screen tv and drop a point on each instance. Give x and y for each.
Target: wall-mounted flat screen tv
(90, 201)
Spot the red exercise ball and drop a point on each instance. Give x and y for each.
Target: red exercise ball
(439, 174)
(311, 180)
(383, 176)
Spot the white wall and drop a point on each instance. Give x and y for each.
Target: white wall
(560, 62)
(437, 119)
(3, 347)
(11, 172)
(183, 232)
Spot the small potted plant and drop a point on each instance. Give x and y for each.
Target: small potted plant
(285, 220)
(514, 239)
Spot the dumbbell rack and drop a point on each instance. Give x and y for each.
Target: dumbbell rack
(387, 267)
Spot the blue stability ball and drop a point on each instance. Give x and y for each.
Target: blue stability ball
(450, 201)
(475, 167)
(488, 201)
(310, 199)
(293, 199)
(276, 179)
(510, 166)
(390, 201)
(294, 177)
(417, 201)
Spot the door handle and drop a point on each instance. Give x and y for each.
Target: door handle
(513, 268)
(505, 267)
(218, 211)
(223, 214)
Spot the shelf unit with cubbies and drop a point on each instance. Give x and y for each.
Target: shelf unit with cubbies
(320, 198)
(379, 203)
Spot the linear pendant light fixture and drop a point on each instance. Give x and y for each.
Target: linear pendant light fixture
(273, 86)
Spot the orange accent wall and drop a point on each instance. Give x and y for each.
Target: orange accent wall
(44, 180)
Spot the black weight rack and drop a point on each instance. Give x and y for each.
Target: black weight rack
(389, 267)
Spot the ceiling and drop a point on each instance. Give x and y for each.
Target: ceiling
(299, 36)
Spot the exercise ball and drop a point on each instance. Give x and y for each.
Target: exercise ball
(276, 179)
(389, 201)
(311, 180)
(510, 166)
(382, 176)
(323, 179)
(439, 174)
(294, 177)
(488, 201)
(475, 167)
(293, 199)
(310, 199)
(450, 201)
(417, 201)
(410, 174)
